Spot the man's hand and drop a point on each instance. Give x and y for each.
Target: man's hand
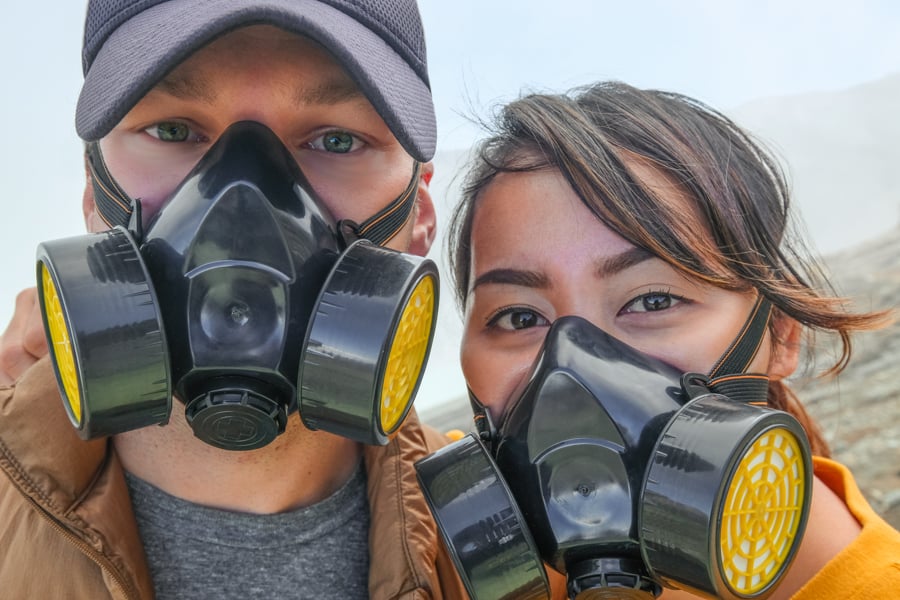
(23, 342)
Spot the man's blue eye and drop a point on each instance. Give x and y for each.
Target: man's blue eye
(172, 132)
(339, 142)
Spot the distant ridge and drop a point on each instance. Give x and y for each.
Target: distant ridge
(841, 152)
(859, 411)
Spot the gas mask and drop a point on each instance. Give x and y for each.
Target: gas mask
(247, 300)
(625, 475)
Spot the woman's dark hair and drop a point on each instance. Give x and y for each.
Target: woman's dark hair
(595, 135)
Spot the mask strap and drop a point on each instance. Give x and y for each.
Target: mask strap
(113, 204)
(384, 225)
(728, 376)
(484, 426)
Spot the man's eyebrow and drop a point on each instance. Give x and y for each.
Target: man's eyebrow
(611, 265)
(530, 279)
(186, 86)
(190, 86)
(334, 91)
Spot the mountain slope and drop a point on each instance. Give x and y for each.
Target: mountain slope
(841, 155)
(859, 410)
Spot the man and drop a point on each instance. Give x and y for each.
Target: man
(343, 86)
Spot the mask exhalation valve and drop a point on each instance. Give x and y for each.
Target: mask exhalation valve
(236, 419)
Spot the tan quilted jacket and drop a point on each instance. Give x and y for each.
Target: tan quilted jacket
(67, 529)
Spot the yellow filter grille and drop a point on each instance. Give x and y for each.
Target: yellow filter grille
(63, 355)
(762, 511)
(407, 354)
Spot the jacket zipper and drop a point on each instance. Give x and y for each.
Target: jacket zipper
(85, 548)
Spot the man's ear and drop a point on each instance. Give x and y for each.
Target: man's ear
(785, 346)
(425, 224)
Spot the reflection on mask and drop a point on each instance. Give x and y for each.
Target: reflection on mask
(247, 300)
(624, 474)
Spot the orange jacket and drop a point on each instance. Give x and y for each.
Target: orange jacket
(67, 529)
(867, 569)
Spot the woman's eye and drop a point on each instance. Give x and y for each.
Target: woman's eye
(517, 318)
(652, 302)
(172, 131)
(337, 142)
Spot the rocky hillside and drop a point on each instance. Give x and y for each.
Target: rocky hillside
(859, 410)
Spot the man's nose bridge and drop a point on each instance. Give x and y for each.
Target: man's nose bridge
(273, 115)
(260, 114)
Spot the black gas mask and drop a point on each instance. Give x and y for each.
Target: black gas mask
(626, 475)
(246, 299)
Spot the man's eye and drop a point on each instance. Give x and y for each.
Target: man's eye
(337, 142)
(517, 318)
(172, 131)
(652, 302)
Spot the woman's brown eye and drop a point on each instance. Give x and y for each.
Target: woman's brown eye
(517, 318)
(522, 320)
(657, 302)
(652, 302)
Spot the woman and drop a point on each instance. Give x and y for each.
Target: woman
(662, 224)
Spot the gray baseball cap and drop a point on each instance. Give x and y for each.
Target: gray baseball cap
(130, 45)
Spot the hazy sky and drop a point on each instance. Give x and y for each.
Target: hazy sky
(480, 53)
(725, 53)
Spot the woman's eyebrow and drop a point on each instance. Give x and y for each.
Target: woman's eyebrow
(605, 267)
(520, 277)
(608, 266)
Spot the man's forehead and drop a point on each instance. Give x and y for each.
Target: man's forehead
(193, 84)
(320, 79)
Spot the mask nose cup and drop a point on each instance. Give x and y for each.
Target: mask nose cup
(726, 498)
(105, 333)
(368, 343)
(481, 524)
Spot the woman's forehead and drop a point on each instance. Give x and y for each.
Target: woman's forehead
(529, 214)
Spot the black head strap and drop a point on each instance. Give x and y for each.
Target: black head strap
(484, 426)
(729, 377)
(113, 204)
(384, 225)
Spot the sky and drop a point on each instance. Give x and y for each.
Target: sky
(481, 53)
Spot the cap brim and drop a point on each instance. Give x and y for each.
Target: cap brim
(145, 48)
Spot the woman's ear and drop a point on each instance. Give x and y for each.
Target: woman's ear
(785, 334)
(425, 223)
